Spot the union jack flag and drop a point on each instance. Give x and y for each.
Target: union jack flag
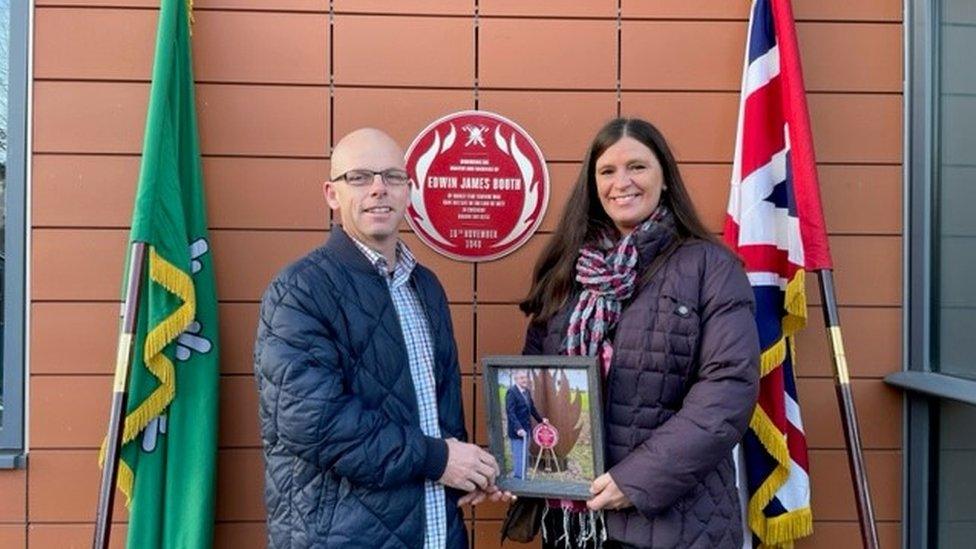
(775, 223)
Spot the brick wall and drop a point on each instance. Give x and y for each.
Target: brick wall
(280, 81)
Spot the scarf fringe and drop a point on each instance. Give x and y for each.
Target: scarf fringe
(592, 528)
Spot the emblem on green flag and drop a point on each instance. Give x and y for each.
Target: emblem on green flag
(168, 461)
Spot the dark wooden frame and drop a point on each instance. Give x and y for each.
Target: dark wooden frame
(491, 366)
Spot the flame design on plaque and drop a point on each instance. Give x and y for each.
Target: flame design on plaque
(528, 180)
(417, 198)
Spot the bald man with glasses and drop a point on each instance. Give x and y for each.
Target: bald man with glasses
(357, 371)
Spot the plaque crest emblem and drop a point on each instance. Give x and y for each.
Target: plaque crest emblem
(480, 195)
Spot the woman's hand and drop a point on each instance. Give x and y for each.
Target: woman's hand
(606, 495)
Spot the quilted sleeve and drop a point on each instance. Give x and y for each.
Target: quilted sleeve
(306, 409)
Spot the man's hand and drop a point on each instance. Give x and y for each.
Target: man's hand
(468, 467)
(606, 494)
(520, 433)
(493, 493)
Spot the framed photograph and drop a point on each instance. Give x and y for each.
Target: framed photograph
(545, 423)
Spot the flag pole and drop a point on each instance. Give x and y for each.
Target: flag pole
(845, 401)
(116, 421)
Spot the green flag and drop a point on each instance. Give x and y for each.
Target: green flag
(168, 464)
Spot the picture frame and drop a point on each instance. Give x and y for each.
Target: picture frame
(562, 452)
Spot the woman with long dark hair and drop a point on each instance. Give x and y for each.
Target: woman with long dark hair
(633, 277)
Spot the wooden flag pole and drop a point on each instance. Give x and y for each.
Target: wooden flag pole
(116, 421)
(848, 415)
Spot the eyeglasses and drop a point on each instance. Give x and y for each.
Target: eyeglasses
(360, 178)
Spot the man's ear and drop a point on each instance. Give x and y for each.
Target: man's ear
(329, 192)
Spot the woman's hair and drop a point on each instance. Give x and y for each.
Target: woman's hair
(584, 219)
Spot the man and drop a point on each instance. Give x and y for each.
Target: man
(360, 400)
(519, 407)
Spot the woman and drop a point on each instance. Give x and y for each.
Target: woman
(632, 276)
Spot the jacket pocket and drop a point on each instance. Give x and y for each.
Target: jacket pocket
(680, 315)
(680, 321)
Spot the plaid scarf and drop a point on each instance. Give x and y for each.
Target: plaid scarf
(607, 271)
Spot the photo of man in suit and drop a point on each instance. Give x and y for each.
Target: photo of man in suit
(520, 409)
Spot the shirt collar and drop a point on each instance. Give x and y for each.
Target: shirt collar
(405, 261)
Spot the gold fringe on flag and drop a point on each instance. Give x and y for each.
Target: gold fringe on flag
(126, 480)
(788, 527)
(179, 283)
(780, 531)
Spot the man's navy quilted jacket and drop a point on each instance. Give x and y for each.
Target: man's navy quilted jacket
(344, 454)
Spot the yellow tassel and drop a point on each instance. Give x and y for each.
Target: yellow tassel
(126, 478)
(779, 532)
(126, 481)
(795, 304)
(757, 520)
(791, 341)
(179, 283)
(772, 357)
(787, 527)
(156, 402)
(176, 282)
(775, 443)
(771, 437)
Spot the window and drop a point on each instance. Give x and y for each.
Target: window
(954, 190)
(13, 163)
(940, 365)
(955, 502)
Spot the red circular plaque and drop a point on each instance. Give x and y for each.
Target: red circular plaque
(479, 186)
(545, 435)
